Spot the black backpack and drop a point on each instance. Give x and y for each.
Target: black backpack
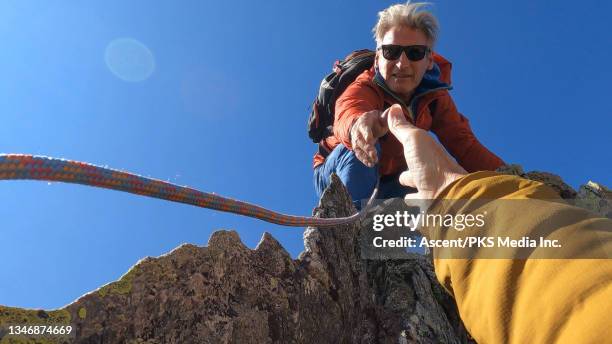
(321, 120)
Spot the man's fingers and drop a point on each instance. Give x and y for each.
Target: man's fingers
(367, 134)
(363, 156)
(359, 144)
(360, 155)
(407, 179)
(384, 115)
(396, 115)
(366, 154)
(362, 135)
(381, 127)
(363, 145)
(370, 149)
(357, 140)
(397, 121)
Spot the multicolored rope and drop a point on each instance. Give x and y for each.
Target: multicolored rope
(21, 166)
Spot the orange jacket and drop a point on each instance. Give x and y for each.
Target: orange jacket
(434, 109)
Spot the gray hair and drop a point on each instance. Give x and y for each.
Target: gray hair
(409, 15)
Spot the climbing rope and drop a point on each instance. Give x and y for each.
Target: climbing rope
(33, 167)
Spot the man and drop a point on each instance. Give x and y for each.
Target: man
(514, 300)
(406, 72)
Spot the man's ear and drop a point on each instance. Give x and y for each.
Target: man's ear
(376, 60)
(431, 60)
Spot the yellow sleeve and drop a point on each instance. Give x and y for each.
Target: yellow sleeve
(530, 300)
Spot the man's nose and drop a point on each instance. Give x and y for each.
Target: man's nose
(403, 59)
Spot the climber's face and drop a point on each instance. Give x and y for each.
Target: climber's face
(403, 73)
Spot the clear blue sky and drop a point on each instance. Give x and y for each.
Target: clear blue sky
(224, 110)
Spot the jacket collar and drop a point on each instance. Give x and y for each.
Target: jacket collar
(430, 82)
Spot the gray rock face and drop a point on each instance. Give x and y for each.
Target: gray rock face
(596, 198)
(592, 196)
(227, 293)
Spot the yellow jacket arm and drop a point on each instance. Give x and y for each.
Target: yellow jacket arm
(530, 300)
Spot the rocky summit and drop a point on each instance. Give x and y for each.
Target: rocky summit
(225, 292)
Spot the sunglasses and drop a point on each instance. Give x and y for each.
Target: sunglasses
(413, 52)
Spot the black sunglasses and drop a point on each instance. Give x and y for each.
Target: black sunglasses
(413, 52)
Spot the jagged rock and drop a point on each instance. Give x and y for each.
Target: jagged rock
(553, 181)
(228, 293)
(592, 196)
(549, 179)
(511, 169)
(595, 197)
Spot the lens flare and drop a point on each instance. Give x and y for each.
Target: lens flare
(129, 59)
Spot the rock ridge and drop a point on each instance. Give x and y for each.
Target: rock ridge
(227, 293)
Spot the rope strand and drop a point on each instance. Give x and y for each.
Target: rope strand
(34, 167)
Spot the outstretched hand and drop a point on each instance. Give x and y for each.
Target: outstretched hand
(430, 168)
(364, 133)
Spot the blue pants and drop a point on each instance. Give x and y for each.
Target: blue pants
(359, 179)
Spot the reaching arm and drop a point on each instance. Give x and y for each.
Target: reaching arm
(514, 300)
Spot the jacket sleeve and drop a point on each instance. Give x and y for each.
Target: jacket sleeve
(454, 132)
(502, 300)
(357, 99)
